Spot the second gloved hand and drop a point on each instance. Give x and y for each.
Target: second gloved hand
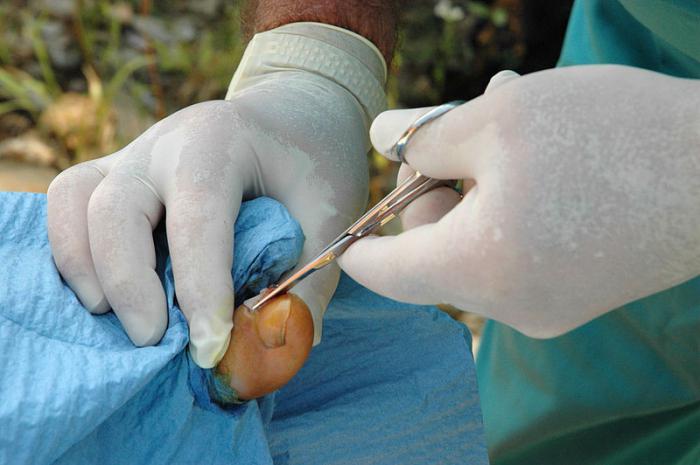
(586, 196)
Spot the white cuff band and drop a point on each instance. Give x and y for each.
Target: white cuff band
(339, 55)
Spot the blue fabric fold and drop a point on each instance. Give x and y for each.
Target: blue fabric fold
(391, 383)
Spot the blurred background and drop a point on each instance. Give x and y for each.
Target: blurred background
(81, 78)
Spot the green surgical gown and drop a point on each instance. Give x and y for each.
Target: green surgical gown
(624, 388)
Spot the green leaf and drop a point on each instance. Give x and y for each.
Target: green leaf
(123, 73)
(499, 17)
(42, 57)
(26, 92)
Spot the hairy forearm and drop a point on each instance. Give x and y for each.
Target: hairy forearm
(374, 19)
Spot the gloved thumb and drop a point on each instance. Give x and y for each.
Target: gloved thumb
(447, 147)
(399, 266)
(316, 292)
(437, 148)
(500, 78)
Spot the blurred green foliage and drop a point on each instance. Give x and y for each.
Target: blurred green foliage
(155, 58)
(449, 47)
(87, 76)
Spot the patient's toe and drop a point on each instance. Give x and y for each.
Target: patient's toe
(268, 347)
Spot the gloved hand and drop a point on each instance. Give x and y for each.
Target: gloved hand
(586, 197)
(295, 129)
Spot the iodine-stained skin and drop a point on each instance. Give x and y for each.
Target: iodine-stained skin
(268, 347)
(295, 136)
(586, 197)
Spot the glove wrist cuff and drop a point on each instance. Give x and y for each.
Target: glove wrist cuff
(337, 54)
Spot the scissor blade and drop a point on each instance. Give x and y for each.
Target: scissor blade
(386, 210)
(328, 255)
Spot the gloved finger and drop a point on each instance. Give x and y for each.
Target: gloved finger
(122, 213)
(316, 291)
(429, 207)
(445, 148)
(399, 267)
(499, 79)
(200, 220)
(321, 224)
(67, 206)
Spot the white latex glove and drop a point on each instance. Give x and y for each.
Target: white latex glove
(587, 197)
(292, 130)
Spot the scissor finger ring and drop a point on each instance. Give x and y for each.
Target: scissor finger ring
(399, 148)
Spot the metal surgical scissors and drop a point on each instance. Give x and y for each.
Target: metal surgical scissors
(379, 215)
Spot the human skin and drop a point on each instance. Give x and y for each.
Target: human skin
(374, 19)
(268, 346)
